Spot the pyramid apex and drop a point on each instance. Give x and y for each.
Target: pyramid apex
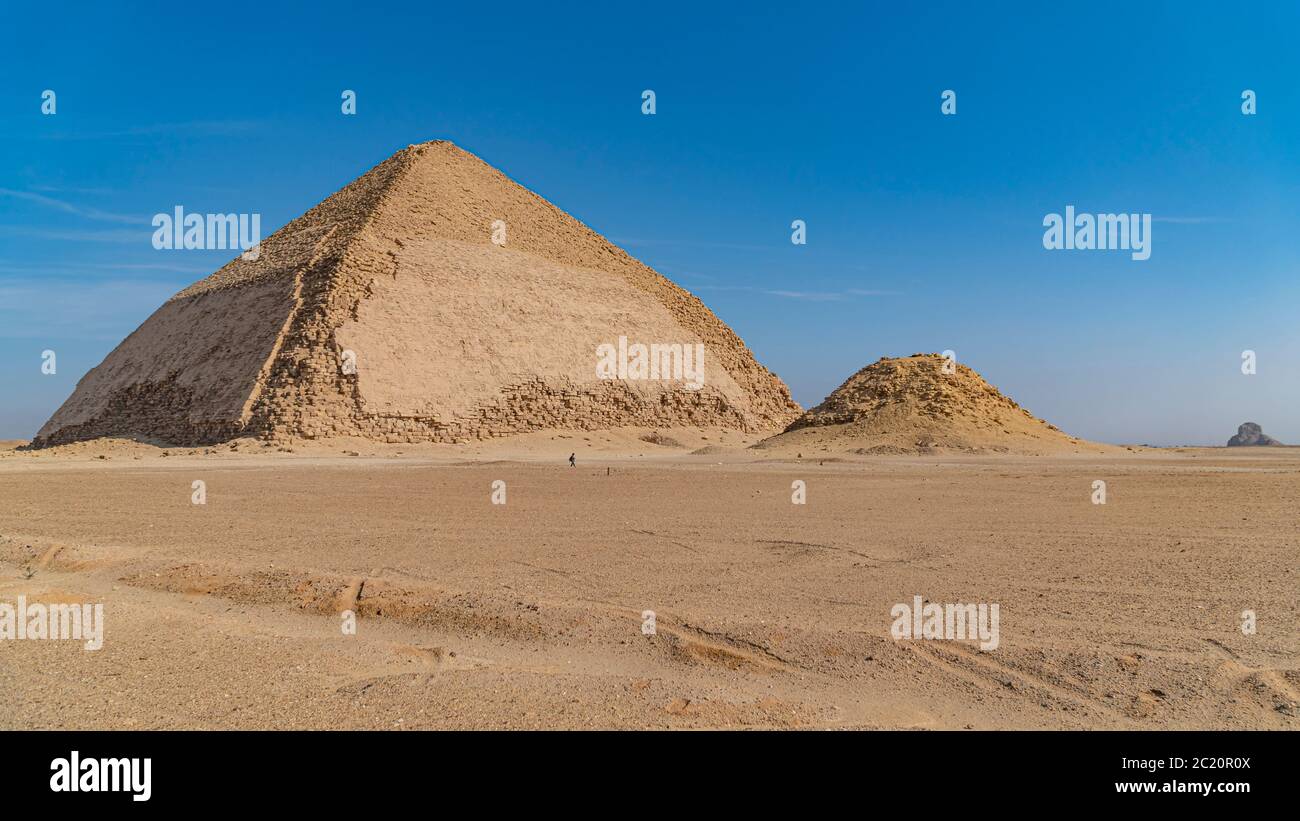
(435, 148)
(432, 143)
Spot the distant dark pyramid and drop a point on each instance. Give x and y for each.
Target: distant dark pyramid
(1250, 434)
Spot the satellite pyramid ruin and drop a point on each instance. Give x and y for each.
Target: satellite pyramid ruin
(918, 404)
(432, 299)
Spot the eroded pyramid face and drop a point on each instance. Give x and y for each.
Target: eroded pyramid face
(433, 299)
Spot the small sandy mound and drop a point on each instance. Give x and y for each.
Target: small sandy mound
(910, 405)
(713, 450)
(657, 438)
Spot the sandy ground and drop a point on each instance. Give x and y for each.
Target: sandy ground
(530, 614)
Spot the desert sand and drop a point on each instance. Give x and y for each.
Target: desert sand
(370, 426)
(530, 614)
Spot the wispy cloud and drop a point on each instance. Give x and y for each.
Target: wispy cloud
(198, 128)
(708, 287)
(35, 309)
(683, 243)
(810, 296)
(814, 296)
(67, 207)
(66, 269)
(178, 269)
(55, 189)
(123, 236)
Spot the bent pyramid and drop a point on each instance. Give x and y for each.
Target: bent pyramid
(389, 312)
(911, 405)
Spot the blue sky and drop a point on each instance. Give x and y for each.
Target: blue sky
(924, 231)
